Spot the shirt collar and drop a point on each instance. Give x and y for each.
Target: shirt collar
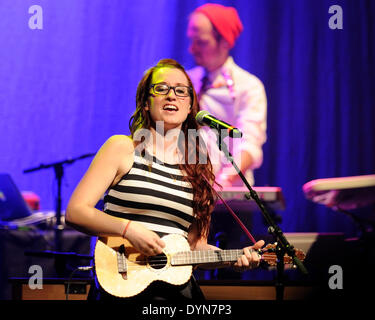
(219, 71)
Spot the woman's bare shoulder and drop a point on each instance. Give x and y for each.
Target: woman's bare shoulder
(120, 144)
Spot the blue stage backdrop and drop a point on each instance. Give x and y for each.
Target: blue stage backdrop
(67, 87)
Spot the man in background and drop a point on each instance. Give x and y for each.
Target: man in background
(227, 91)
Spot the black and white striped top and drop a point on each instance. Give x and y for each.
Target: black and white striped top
(154, 194)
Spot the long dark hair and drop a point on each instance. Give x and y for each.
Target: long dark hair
(204, 199)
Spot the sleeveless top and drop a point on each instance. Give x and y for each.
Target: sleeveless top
(155, 195)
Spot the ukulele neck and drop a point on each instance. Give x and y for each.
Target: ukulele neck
(206, 256)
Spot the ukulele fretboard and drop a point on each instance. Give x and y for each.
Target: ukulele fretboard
(205, 256)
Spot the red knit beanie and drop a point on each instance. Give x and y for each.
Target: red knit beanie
(224, 19)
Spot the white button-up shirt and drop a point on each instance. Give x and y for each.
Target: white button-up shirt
(243, 105)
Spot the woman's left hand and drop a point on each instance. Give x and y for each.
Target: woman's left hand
(250, 259)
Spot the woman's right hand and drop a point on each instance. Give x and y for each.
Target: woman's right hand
(144, 240)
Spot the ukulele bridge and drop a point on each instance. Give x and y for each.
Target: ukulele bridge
(121, 262)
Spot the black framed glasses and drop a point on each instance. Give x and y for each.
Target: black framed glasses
(163, 89)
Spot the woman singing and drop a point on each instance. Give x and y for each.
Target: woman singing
(153, 180)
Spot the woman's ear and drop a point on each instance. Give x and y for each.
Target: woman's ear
(146, 107)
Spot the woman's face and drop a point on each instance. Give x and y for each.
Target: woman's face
(172, 109)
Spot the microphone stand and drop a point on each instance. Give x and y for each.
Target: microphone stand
(59, 173)
(283, 246)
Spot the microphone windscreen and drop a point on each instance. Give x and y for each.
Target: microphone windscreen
(200, 116)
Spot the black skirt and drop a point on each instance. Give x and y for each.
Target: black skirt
(156, 291)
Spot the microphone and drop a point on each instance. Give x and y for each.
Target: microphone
(205, 118)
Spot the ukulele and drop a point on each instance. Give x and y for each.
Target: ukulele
(124, 272)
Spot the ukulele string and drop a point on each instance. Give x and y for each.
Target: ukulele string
(162, 260)
(141, 265)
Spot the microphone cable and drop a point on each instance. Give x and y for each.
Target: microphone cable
(81, 268)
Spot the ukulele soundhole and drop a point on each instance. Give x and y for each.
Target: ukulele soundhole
(158, 262)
